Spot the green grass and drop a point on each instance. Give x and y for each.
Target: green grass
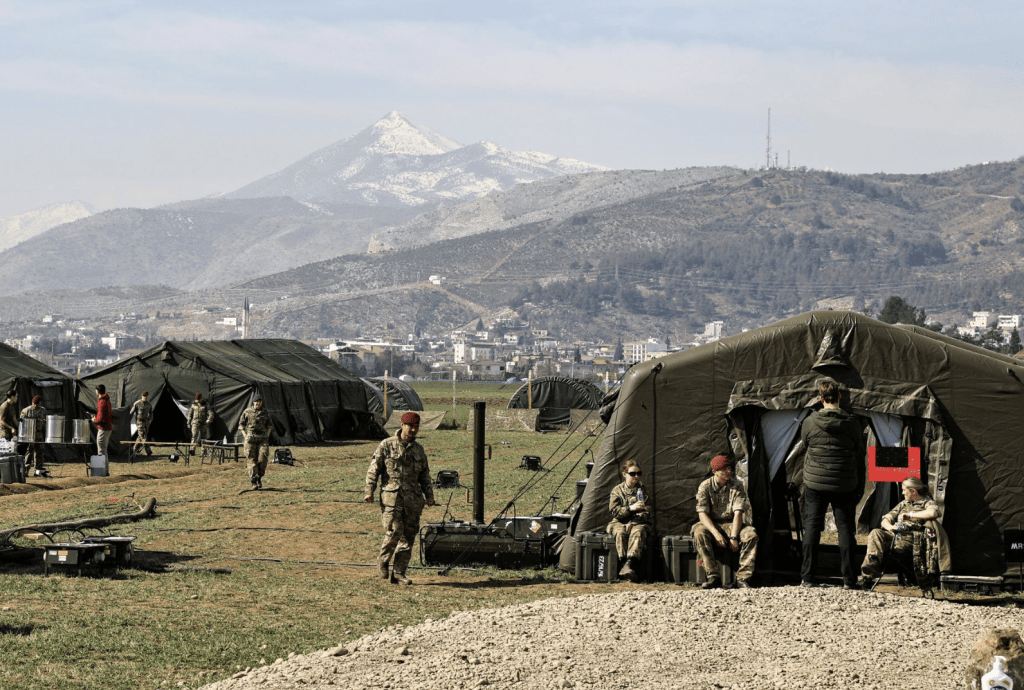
(137, 628)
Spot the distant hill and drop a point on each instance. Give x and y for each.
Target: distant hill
(748, 248)
(16, 229)
(397, 163)
(550, 201)
(189, 245)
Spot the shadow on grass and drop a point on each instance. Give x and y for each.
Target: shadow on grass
(18, 630)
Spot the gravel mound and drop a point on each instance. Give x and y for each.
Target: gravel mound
(781, 637)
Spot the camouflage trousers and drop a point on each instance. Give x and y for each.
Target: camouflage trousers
(141, 438)
(199, 432)
(914, 550)
(258, 453)
(630, 538)
(35, 455)
(709, 551)
(400, 530)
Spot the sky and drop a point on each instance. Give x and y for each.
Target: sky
(120, 103)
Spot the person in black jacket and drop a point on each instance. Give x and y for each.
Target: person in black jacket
(833, 468)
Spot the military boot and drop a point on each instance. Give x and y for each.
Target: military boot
(382, 568)
(398, 578)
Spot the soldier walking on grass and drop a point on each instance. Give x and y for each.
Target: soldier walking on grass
(143, 412)
(256, 427)
(400, 463)
(198, 421)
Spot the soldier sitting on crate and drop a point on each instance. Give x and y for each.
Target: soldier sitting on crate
(916, 535)
(724, 513)
(631, 520)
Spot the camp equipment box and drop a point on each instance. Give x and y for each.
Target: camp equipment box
(117, 550)
(75, 554)
(12, 469)
(971, 583)
(596, 558)
(682, 564)
(465, 543)
(536, 527)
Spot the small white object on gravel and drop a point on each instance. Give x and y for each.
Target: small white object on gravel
(776, 637)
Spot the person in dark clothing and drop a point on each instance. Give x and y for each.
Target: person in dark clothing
(833, 440)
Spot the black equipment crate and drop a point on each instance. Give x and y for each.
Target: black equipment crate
(596, 559)
(117, 549)
(537, 527)
(971, 583)
(447, 479)
(12, 468)
(466, 543)
(530, 462)
(74, 554)
(682, 564)
(283, 456)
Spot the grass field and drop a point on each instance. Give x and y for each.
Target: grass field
(299, 553)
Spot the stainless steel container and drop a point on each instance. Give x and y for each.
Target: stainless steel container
(55, 428)
(27, 429)
(81, 432)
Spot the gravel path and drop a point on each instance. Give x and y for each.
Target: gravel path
(779, 637)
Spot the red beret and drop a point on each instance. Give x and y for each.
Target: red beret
(199, 396)
(410, 418)
(37, 399)
(145, 392)
(720, 462)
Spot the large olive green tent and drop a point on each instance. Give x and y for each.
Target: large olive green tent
(309, 397)
(29, 377)
(746, 396)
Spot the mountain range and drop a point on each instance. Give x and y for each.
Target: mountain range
(587, 254)
(330, 203)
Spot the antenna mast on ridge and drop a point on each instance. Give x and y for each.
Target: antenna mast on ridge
(768, 143)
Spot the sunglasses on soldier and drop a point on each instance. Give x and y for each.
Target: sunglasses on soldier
(635, 474)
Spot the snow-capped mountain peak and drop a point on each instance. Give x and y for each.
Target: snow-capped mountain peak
(395, 162)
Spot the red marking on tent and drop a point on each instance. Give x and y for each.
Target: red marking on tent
(893, 464)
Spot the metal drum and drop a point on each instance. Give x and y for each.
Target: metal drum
(55, 428)
(27, 429)
(81, 432)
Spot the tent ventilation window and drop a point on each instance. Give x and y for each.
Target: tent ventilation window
(830, 353)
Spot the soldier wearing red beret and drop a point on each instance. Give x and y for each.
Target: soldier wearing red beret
(400, 464)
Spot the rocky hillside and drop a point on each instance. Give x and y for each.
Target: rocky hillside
(547, 201)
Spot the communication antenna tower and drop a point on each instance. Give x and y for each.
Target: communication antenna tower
(768, 143)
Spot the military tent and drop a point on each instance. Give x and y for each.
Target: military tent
(554, 397)
(309, 397)
(746, 396)
(401, 396)
(29, 377)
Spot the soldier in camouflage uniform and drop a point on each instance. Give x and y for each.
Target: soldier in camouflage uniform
(909, 537)
(256, 426)
(198, 421)
(9, 415)
(143, 412)
(631, 520)
(401, 465)
(34, 453)
(723, 509)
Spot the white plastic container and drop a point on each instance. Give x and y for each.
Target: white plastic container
(98, 466)
(996, 679)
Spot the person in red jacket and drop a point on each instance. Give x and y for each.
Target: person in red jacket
(103, 420)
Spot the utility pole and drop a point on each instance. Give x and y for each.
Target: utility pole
(768, 143)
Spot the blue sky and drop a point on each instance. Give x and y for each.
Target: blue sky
(142, 103)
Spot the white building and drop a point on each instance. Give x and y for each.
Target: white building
(1008, 322)
(981, 320)
(713, 329)
(643, 351)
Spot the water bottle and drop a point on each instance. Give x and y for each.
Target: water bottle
(640, 495)
(996, 679)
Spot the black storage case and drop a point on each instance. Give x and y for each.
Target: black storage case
(596, 559)
(683, 565)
